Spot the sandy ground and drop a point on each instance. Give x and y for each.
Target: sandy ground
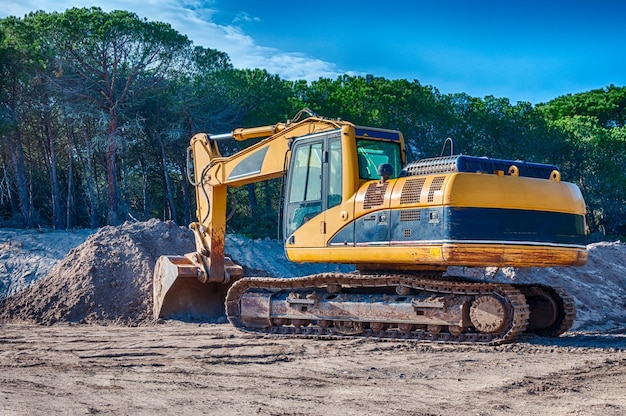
(214, 369)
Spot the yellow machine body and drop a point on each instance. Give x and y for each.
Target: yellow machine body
(440, 219)
(420, 230)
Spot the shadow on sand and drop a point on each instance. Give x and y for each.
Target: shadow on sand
(604, 340)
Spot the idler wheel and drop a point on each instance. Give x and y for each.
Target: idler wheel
(489, 314)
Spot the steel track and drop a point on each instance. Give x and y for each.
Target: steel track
(518, 310)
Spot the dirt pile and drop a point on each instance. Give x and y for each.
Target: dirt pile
(107, 278)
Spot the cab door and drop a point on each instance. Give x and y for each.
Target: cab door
(313, 186)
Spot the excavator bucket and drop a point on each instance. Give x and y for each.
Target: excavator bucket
(180, 294)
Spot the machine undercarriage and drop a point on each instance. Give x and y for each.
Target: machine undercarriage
(420, 306)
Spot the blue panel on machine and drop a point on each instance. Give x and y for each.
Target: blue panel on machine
(379, 134)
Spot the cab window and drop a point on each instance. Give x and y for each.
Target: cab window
(335, 177)
(373, 153)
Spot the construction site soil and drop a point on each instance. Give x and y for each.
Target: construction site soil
(77, 337)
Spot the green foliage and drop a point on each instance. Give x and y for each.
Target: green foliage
(606, 105)
(591, 130)
(594, 158)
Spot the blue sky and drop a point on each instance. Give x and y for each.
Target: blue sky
(522, 50)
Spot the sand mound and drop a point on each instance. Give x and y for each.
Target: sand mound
(107, 278)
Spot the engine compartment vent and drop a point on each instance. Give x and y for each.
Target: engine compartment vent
(412, 191)
(435, 186)
(375, 195)
(410, 215)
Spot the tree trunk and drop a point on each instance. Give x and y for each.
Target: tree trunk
(19, 170)
(5, 188)
(168, 185)
(144, 188)
(122, 200)
(89, 178)
(70, 180)
(184, 184)
(110, 159)
(55, 191)
(252, 199)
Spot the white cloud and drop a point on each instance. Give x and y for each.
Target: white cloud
(245, 17)
(243, 50)
(194, 18)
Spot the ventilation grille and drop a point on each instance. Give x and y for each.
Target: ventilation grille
(412, 191)
(410, 215)
(435, 186)
(375, 195)
(432, 166)
(462, 163)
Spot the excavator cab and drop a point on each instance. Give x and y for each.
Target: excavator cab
(325, 171)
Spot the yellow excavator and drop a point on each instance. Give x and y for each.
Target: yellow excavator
(349, 197)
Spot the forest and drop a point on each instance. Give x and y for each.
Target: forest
(97, 109)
